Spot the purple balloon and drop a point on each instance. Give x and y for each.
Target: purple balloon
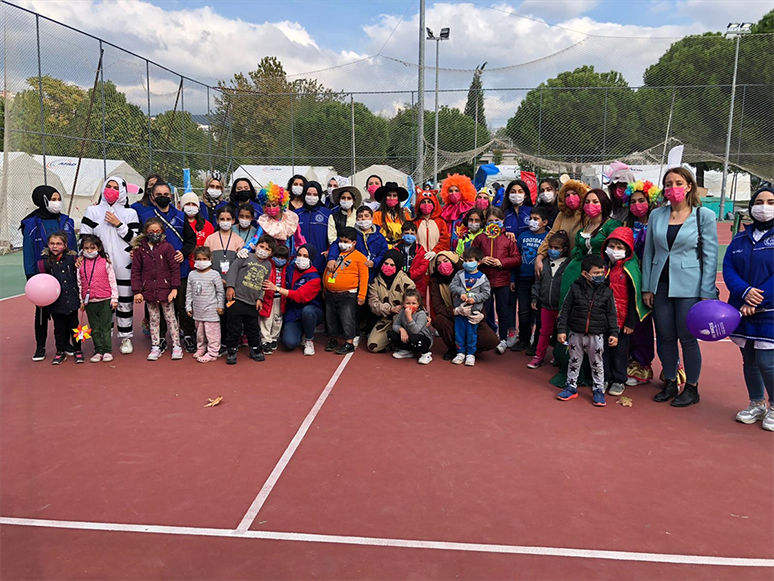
(712, 320)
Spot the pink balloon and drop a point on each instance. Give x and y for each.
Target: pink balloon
(42, 290)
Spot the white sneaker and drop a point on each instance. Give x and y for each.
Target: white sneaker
(459, 359)
(96, 358)
(177, 353)
(632, 381)
(425, 358)
(308, 347)
(616, 389)
(470, 360)
(107, 357)
(501, 347)
(155, 353)
(754, 412)
(126, 346)
(403, 354)
(768, 421)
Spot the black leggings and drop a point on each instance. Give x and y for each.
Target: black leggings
(416, 343)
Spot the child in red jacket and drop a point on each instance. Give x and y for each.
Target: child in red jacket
(415, 260)
(273, 301)
(501, 256)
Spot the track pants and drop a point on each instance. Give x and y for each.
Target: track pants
(125, 311)
(594, 347)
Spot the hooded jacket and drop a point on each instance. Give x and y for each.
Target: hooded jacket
(64, 271)
(432, 233)
(371, 244)
(567, 220)
(313, 224)
(453, 213)
(304, 287)
(414, 263)
(506, 251)
(155, 272)
(38, 225)
(481, 291)
(547, 289)
(588, 310)
(625, 280)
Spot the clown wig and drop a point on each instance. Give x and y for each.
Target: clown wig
(651, 191)
(273, 193)
(467, 190)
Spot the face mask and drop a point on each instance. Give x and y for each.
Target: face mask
(154, 237)
(297, 190)
(615, 255)
(482, 204)
(497, 223)
(163, 201)
(620, 191)
(409, 238)
(455, 197)
(372, 189)
(762, 212)
(597, 280)
(214, 194)
(391, 203)
(572, 202)
(592, 210)
(244, 223)
(330, 191)
(445, 268)
(90, 254)
(388, 270)
(639, 209)
(243, 196)
(346, 204)
(202, 264)
(55, 207)
(474, 226)
(553, 253)
(272, 211)
(517, 199)
(470, 266)
(345, 246)
(302, 262)
(279, 262)
(547, 196)
(110, 195)
(225, 225)
(675, 195)
(534, 225)
(261, 253)
(426, 208)
(311, 200)
(191, 211)
(364, 225)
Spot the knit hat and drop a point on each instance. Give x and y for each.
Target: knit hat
(189, 198)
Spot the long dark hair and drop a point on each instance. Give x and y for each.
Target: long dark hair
(96, 241)
(294, 178)
(232, 194)
(507, 204)
(146, 192)
(604, 201)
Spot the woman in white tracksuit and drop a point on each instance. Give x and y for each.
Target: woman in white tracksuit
(116, 225)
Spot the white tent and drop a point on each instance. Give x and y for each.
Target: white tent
(387, 173)
(20, 176)
(260, 175)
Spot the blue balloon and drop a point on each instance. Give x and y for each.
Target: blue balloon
(712, 320)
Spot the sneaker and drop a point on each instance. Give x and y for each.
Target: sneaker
(512, 338)
(535, 363)
(459, 359)
(501, 347)
(274, 345)
(599, 398)
(206, 358)
(425, 358)
(632, 381)
(616, 389)
(145, 328)
(267, 350)
(232, 356)
(345, 348)
(470, 360)
(222, 351)
(154, 354)
(332, 345)
(163, 344)
(754, 412)
(567, 394)
(308, 347)
(519, 346)
(107, 357)
(256, 354)
(126, 346)
(79, 357)
(189, 344)
(40, 354)
(768, 421)
(59, 358)
(177, 352)
(403, 354)
(96, 358)
(531, 350)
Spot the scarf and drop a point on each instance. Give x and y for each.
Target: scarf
(41, 195)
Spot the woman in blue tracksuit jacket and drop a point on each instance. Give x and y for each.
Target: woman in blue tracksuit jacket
(517, 207)
(36, 227)
(748, 271)
(313, 221)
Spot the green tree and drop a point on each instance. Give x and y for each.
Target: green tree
(168, 131)
(474, 107)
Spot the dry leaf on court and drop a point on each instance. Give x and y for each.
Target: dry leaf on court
(213, 402)
(625, 401)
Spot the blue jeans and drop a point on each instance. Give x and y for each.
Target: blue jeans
(669, 315)
(758, 371)
(311, 316)
(465, 335)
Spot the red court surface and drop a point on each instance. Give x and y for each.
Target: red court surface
(368, 467)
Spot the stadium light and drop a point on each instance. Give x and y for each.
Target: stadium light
(443, 36)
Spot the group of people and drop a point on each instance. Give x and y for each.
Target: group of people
(594, 272)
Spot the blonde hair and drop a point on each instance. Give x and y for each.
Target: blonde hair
(693, 196)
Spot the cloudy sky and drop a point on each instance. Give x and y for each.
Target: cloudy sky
(210, 40)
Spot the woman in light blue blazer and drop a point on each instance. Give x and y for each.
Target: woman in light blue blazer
(678, 270)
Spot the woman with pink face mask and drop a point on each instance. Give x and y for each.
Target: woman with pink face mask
(569, 202)
(679, 268)
(390, 216)
(373, 183)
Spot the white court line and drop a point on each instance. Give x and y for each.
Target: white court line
(395, 543)
(268, 486)
(13, 297)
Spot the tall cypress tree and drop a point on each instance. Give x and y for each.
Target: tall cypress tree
(476, 95)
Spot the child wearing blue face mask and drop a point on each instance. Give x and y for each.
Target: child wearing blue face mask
(545, 293)
(414, 262)
(273, 309)
(470, 290)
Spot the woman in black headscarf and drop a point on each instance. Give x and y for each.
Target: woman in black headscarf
(385, 298)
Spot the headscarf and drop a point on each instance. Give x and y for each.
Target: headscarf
(41, 196)
(762, 226)
(320, 193)
(453, 257)
(311, 250)
(397, 257)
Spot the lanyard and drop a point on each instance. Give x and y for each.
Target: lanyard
(169, 225)
(88, 285)
(228, 243)
(340, 261)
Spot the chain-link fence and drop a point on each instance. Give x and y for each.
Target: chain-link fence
(77, 109)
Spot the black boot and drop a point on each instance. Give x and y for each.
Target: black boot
(256, 354)
(449, 355)
(232, 355)
(689, 396)
(670, 390)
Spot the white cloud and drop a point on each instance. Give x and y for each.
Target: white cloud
(557, 9)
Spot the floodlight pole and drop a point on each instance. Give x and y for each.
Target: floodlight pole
(435, 141)
(421, 97)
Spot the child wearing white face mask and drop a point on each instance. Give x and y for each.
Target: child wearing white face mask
(243, 224)
(205, 302)
(522, 280)
(99, 295)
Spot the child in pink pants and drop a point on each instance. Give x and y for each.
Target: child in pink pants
(204, 301)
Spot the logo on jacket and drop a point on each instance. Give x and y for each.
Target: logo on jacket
(318, 218)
